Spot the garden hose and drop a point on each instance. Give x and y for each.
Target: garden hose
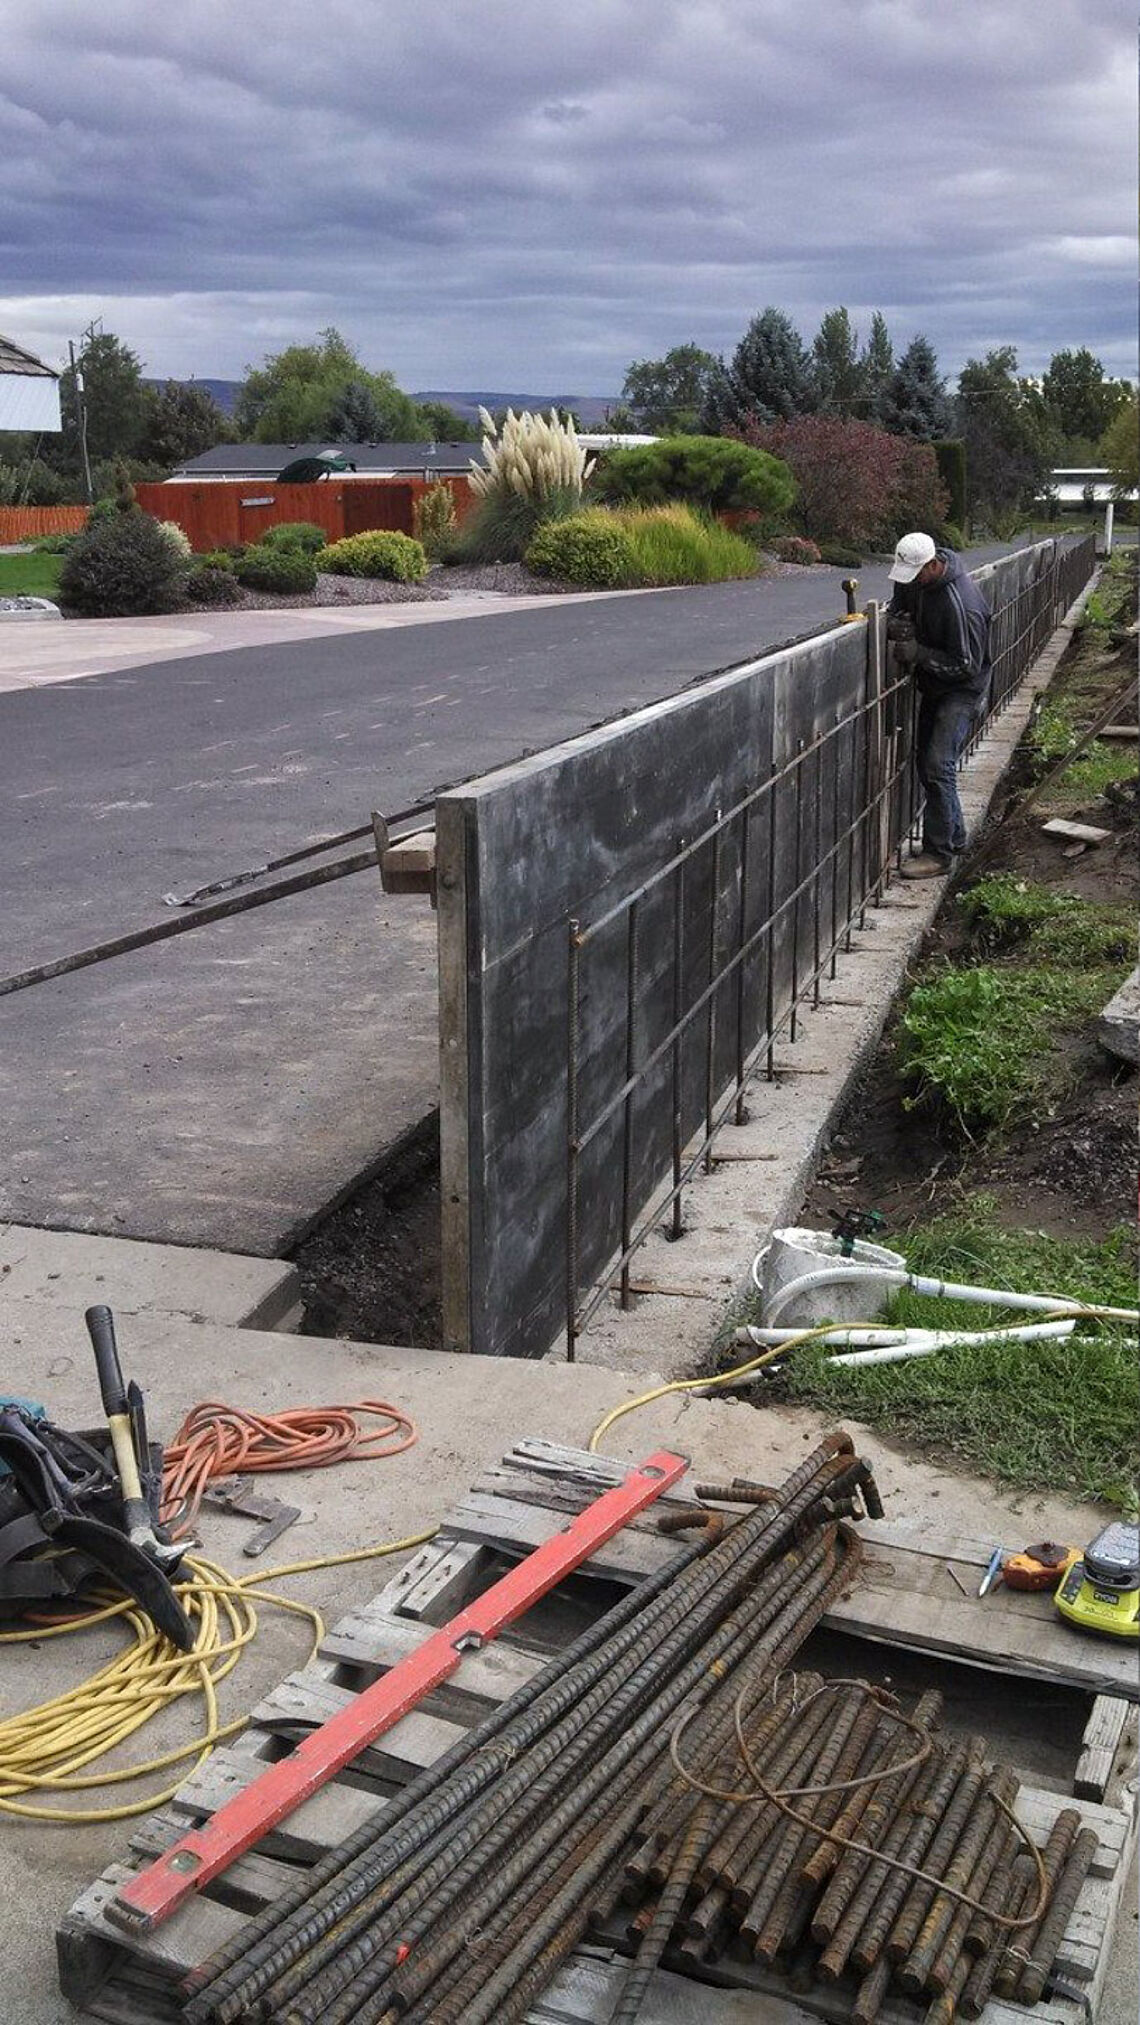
(46, 1749)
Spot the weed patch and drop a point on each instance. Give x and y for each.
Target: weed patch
(1052, 927)
(1061, 1414)
(982, 1041)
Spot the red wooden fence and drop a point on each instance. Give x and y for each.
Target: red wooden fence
(28, 523)
(218, 514)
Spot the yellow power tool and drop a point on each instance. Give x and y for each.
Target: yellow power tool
(1101, 1591)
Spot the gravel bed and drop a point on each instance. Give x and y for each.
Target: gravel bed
(333, 590)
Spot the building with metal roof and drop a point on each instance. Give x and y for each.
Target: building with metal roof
(265, 461)
(29, 391)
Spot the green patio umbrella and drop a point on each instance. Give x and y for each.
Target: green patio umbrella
(306, 470)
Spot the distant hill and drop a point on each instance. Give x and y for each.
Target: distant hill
(589, 408)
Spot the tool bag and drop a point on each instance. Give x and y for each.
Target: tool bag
(62, 1523)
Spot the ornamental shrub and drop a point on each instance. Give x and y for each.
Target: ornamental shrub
(857, 484)
(839, 556)
(504, 524)
(433, 520)
(178, 538)
(377, 553)
(716, 474)
(121, 567)
(795, 548)
(212, 583)
(674, 545)
(284, 570)
(302, 534)
(590, 549)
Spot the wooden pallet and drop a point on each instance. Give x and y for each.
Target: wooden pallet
(131, 1981)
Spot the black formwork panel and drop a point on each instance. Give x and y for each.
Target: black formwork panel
(731, 833)
(568, 836)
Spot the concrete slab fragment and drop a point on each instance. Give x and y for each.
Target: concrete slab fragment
(1118, 1028)
(69, 1270)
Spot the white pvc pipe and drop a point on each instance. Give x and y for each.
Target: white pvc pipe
(873, 1341)
(944, 1339)
(950, 1290)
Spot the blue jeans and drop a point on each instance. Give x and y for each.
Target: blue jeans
(944, 725)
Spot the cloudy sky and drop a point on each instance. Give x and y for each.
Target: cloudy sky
(530, 194)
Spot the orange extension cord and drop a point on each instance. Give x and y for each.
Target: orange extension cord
(221, 1441)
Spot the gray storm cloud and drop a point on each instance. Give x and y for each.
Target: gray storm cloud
(486, 194)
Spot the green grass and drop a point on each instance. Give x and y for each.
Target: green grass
(983, 1041)
(29, 576)
(1051, 927)
(1061, 1415)
(1099, 765)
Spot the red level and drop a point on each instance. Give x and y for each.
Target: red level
(187, 1865)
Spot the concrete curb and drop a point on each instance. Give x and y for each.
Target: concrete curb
(763, 1169)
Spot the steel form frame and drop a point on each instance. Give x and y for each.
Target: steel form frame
(876, 833)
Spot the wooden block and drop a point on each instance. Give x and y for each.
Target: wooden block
(1121, 731)
(376, 1642)
(1075, 833)
(408, 866)
(1103, 1732)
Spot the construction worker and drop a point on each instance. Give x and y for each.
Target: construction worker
(938, 624)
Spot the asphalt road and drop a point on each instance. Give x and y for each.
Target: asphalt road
(123, 787)
(223, 1088)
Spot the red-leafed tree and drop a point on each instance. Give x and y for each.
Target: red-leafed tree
(856, 483)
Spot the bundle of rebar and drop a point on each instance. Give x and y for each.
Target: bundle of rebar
(671, 1771)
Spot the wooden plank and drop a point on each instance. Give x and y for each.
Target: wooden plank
(331, 1816)
(1099, 1745)
(1077, 833)
(373, 1641)
(515, 1528)
(1006, 1640)
(538, 1487)
(298, 1705)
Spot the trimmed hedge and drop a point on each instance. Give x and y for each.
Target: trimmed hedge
(376, 553)
(283, 570)
(207, 584)
(795, 548)
(589, 549)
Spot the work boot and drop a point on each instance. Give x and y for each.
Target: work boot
(927, 865)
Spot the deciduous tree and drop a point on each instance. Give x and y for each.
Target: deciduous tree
(1080, 400)
(182, 421)
(1008, 453)
(667, 395)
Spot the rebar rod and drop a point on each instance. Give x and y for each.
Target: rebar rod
(320, 1902)
(1017, 1893)
(1019, 1950)
(532, 1786)
(923, 1828)
(869, 1996)
(916, 1904)
(665, 1916)
(793, 1909)
(864, 1899)
(890, 1791)
(1051, 1932)
(994, 1843)
(915, 1974)
(768, 1908)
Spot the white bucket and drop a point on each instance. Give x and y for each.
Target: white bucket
(794, 1252)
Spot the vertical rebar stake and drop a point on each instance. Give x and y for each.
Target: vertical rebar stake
(627, 1107)
(770, 923)
(741, 1114)
(833, 854)
(574, 948)
(710, 1052)
(675, 1051)
(797, 880)
(817, 872)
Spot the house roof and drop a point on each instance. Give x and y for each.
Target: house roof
(266, 460)
(14, 359)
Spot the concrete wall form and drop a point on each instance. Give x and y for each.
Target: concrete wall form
(627, 920)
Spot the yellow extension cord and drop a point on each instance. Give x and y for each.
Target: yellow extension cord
(47, 1748)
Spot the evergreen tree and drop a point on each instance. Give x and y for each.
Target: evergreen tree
(877, 365)
(836, 367)
(353, 415)
(915, 402)
(115, 399)
(769, 379)
(182, 421)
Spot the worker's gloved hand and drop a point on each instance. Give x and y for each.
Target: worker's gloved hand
(903, 643)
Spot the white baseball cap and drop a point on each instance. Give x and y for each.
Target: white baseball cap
(912, 554)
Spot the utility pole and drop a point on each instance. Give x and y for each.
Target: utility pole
(81, 405)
